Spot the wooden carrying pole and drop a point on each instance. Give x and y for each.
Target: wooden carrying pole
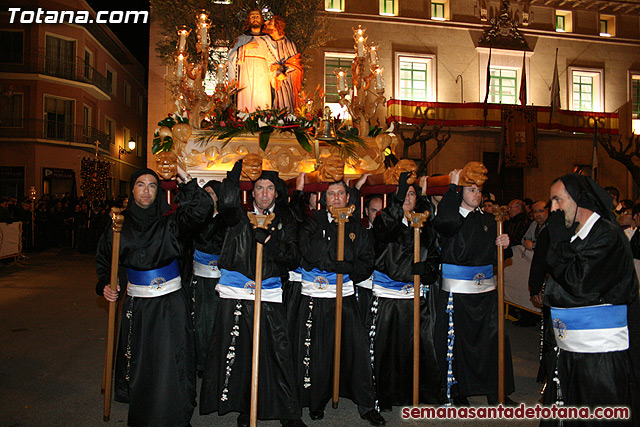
(117, 221)
(258, 221)
(500, 314)
(416, 220)
(341, 216)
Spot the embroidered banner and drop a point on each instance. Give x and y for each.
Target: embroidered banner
(519, 136)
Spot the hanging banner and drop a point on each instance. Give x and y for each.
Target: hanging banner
(454, 114)
(519, 136)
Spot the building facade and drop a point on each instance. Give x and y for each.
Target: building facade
(67, 91)
(437, 51)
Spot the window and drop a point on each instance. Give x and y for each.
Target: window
(389, 7)
(607, 25)
(11, 47)
(86, 121)
(88, 64)
(112, 77)
(416, 78)
(440, 10)
(334, 5)
(11, 111)
(110, 129)
(127, 93)
(635, 103)
(333, 61)
(59, 59)
(564, 22)
(58, 115)
(503, 86)
(582, 93)
(586, 89)
(140, 104)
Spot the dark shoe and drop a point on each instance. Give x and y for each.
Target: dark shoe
(460, 401)
(293, 423)
(374, 418)
(317, 415)
(243, 420)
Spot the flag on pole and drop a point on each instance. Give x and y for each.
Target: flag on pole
(555, 90)
(486, 95)
(523, 81)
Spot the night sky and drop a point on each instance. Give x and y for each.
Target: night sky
(134, 36)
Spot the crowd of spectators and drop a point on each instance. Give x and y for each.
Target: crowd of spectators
(58, 222)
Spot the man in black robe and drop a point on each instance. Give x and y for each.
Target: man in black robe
(467, 313)
(227, 375)
(204, 278)
(391, 314)
(593, 295)
(155, 362)
(315, 321)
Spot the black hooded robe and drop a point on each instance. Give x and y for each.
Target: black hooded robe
(318, 246)
(393, 330)
(470, 241)
(155, 362)
(594, 270)
(226, 382)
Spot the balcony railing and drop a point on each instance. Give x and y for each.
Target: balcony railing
(54, 67)
(51, 130)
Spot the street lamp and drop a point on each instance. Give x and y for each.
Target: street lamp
(131, 145)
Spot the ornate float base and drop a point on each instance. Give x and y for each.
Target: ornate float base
(209, 160)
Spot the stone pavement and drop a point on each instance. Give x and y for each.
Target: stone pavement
(52, 343)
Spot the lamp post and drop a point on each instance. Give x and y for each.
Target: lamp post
(131, 145)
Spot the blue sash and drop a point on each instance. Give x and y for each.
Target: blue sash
(205, 258)
(381, 279)
(464, 272)
(326, 277)
(592, 317)
(152, 277)
(236, 279)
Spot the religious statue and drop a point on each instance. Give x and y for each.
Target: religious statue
(251, 167)
(287, 70)
(392, 175)
(167, 170)
(249, 62)
(331, 169)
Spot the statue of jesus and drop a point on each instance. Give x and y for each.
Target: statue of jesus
(249, 61)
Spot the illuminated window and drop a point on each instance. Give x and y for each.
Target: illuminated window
(437, 11)
(586, 89)
(635, 103)
(333, 61)
(334, 5)
(389, 7)
(503, 86)
(564, 21)
(607, 25)
(415, 77)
